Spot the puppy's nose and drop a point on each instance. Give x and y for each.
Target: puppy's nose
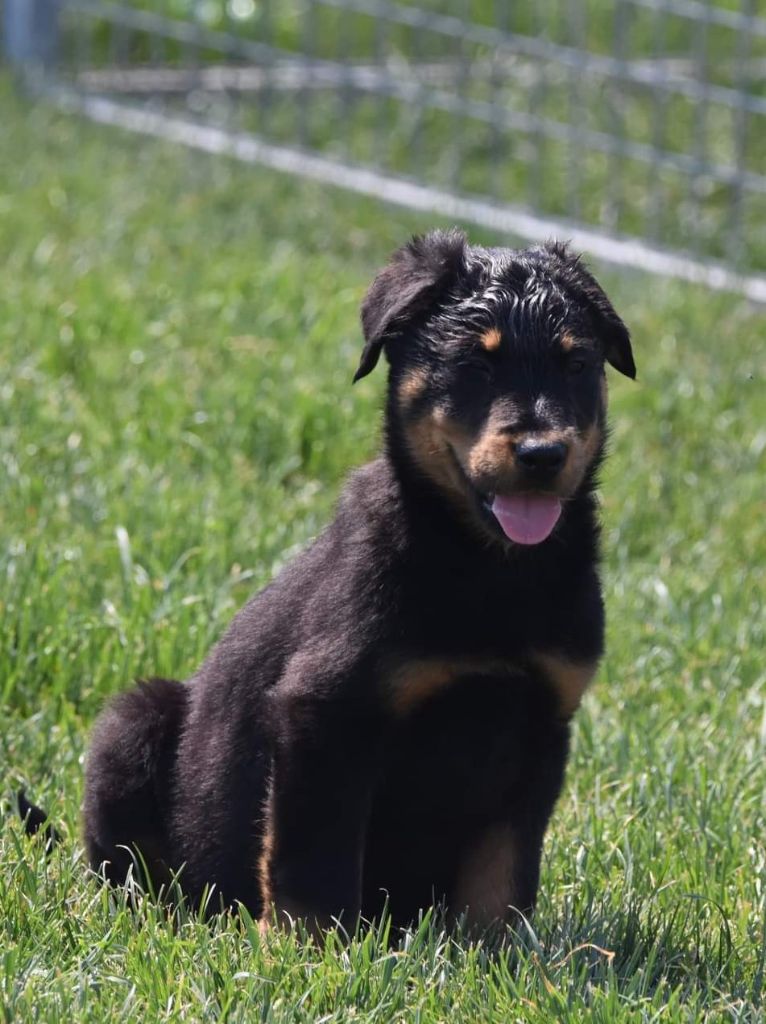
(541, 457)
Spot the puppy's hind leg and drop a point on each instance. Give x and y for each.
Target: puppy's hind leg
(128, 781)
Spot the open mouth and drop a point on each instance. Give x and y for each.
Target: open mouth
(524, 518)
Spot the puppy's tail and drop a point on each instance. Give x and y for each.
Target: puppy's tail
(36, 820)
(129, 780)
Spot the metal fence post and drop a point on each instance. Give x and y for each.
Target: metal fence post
(30, 32)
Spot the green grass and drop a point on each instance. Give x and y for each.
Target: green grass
(177, 338)
(475, 150)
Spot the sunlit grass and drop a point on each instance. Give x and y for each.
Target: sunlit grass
(177, 338)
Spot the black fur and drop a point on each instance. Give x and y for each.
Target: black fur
(128, 793)
(381, 719)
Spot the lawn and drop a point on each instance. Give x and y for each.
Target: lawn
(178, 335)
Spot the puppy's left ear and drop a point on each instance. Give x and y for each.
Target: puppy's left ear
(612, 332)
(407, 290)
(614, 335)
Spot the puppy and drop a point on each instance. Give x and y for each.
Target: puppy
(388, 721)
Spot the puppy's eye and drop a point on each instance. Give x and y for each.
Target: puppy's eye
(479, 368)
(577, 364)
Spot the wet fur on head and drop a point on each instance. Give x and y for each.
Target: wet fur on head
(419, 275)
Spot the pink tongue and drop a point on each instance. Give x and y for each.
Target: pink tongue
(527, 518)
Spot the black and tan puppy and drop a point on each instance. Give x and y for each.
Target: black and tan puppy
(389, 718)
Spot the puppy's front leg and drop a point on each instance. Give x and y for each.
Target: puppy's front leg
(326, 755)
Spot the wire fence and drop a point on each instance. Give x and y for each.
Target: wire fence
(635, 127)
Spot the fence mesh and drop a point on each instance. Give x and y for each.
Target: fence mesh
(638, 119)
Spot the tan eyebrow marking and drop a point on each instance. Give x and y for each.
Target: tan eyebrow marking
(490, 340)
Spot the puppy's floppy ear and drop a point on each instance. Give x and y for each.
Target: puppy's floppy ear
(612, 332)
(415, 277)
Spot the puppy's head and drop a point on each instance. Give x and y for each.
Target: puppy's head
(497, 382)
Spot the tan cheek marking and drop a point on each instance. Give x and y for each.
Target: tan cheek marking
(604, 392)
(413, 683)
(492, 455)
(484, 889)
(569, 679)
(591, 442)
(429, 449)
(412, 386)
(490, 340)
(583, 451)
(430, 439)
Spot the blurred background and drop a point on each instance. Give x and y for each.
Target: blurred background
(635, 127)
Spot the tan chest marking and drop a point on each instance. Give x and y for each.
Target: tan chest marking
(484, 887)
(436, 442)
(570, 679)
(413, 683)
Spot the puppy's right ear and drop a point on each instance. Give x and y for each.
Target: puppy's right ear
(406, 288)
